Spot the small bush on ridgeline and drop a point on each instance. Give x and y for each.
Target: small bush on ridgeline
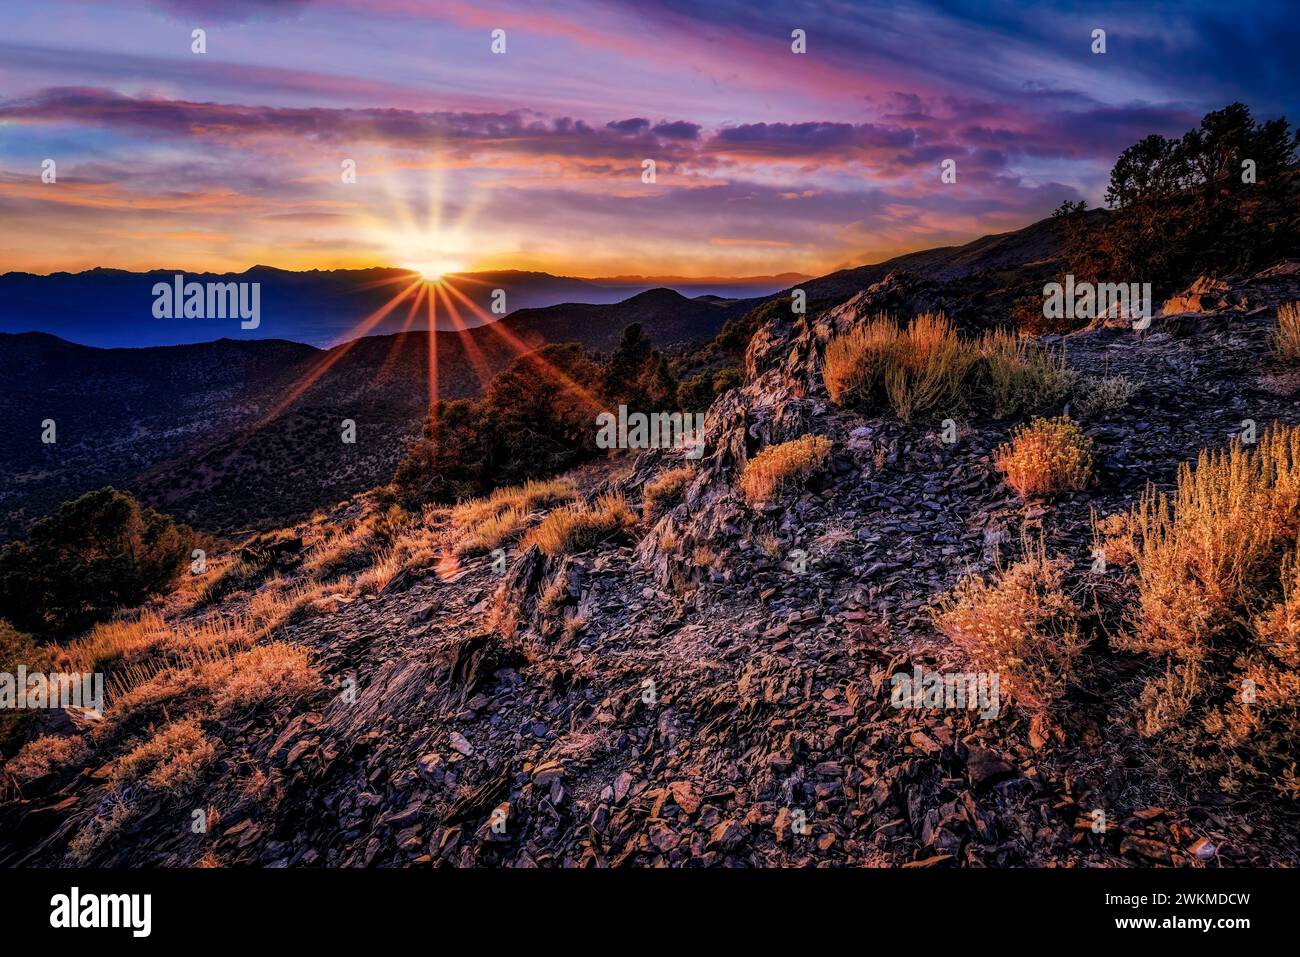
(697, 393)
(664, 491)
(637, 374)
(927, 366)
(778, 466)
(95, 555)
(581, 526)
(1046, 457)
(1216, 569)
(1286, 338)
(1021, 626)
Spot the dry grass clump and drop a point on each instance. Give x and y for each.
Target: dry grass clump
(778, 466)
(376, 578)
(278, 673)
(525, 498)
(99, 830)
(1046, 457)
(854, 364)
(42, 755)
(113, 641)
(492, 531)
(150, 687)
(172, 760)
(664, 491)
(276, 606)
(486, 524)
(704, 557)
(927, 366)
(580, 526)
(1286, 338)
(340, 550)
(1216, 570)
(914, 369)
(1021, 626)
(575, 623)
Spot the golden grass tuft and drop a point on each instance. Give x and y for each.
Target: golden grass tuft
(580, 526)
(1046, 457)
(1021, 626)
(778, 466)
(387, 563)
(1286, 338)
(855, 364)
(525, 498)
(486, 524)
(276, 674)
(495, 530)
(575, 623)
(339, 549)
(664, 491)
(42, 755)
(173, 760)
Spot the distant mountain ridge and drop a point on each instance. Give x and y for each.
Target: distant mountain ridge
(113, 307)
(185, 424)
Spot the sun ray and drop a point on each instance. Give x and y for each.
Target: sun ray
(478, 362)
(523, 349)
(329, 360)
(399, 340)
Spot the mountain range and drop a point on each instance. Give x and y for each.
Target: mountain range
(113, 307)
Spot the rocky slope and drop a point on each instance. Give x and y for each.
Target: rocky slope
(713, 699)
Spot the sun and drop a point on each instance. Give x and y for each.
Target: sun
(434, 270)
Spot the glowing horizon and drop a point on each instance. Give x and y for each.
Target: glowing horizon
(767, 161)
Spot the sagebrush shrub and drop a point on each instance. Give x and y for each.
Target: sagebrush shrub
(1021, 626)
(1046, 457)
(1216, 572)
(777, 466)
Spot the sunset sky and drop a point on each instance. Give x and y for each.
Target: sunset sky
(767, 161)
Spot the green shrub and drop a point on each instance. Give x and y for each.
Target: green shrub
(97, 554)
(537, 418)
